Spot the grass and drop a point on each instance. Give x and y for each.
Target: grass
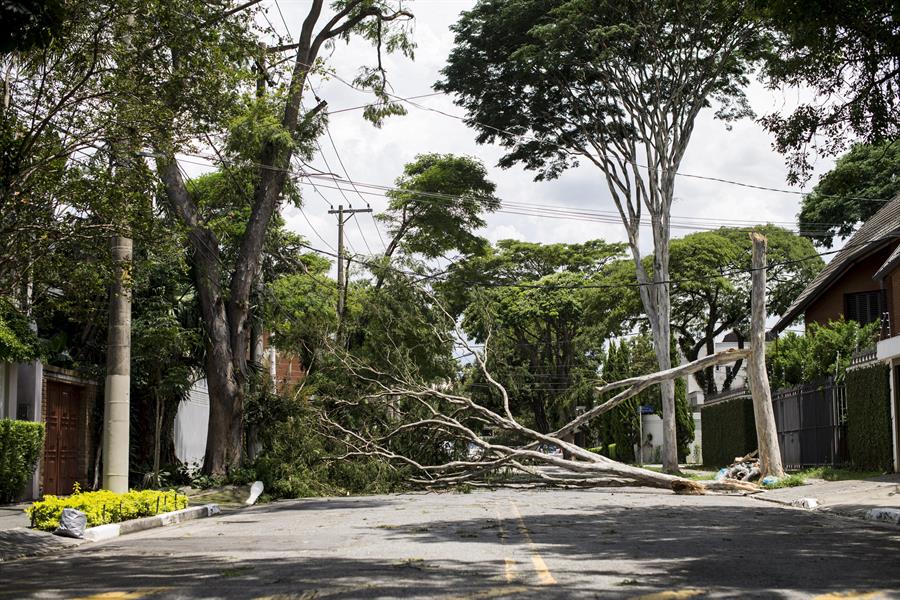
(689, 473)
(826, 473)
(790, 480)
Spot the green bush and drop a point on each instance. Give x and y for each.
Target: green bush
(104, 507)
(21, 443)
(729, 430)
(824, 350)
(869, 417)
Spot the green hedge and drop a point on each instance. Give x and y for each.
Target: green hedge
(102, 507)
(20, 448)
(869, 417)
(729, 430)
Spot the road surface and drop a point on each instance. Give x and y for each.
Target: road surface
(626, 543)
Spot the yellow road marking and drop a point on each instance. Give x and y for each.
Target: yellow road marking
(669, 595)
(510, 570)
(536, 559)
(123, 595)
(510, 564)
(847, 595)
(496, 592)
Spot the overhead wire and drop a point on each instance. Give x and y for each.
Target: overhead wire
(538, 209)
(468, 121)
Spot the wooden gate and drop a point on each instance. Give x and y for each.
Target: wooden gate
(64, 444)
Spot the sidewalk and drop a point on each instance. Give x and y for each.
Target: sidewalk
(13, 515)
(852, 498)
(17, 540)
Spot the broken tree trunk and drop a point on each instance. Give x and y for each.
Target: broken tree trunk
(766, 434)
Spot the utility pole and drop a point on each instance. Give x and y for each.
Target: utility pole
(117, 417)
(117, 391)
(342, 283)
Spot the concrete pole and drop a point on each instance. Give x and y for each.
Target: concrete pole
(117, 400)
(766, 434)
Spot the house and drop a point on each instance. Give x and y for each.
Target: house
(64, 401)
(862, 283)
(721, 373)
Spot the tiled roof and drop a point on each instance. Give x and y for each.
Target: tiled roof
(882, 230)
(889, 265)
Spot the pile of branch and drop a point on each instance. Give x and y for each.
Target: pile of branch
(429, 411)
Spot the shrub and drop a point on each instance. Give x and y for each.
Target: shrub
(822, 351)
(729, 430)
(104, 507)
(869, 417)
(20, 448)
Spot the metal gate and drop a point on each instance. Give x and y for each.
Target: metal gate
(811, 420)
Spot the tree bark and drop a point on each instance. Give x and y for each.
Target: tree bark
(766, 434)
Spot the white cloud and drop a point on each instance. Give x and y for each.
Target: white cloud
(743, 153)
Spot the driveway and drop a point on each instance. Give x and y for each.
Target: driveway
(626, 543)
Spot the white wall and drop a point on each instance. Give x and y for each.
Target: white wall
(652, 425)
(719, 372)
(191, 423)
(8, 390)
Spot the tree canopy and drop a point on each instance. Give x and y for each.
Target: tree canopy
(848, 54)
(854, 190)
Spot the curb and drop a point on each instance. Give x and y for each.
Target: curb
(884, 517)
(30, 542)
(113, 530)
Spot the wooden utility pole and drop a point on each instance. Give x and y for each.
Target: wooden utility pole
(766, 434)
(342, 283)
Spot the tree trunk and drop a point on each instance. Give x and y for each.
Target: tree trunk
(766, 434)
(662, 336)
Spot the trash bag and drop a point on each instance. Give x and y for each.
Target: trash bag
(72, 523)
(255, 490)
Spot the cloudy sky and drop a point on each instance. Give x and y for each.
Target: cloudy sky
(742, 153)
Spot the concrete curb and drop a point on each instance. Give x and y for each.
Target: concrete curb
(883, 517)
(107, 532)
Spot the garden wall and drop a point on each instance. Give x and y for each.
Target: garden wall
(729, 430)
(869, 417)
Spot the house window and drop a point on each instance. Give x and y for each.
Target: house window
(864, 307)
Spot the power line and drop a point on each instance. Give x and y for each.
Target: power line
(347, 175)
(467, 121)
(535, 209)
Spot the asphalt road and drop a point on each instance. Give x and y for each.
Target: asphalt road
(626, 543)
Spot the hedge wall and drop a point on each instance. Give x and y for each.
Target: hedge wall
(869, 417)
(20, 448)
(729, 430)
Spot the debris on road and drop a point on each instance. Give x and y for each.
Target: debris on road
(805, 503)
(888, 515)
(255, 490)
(744, 468)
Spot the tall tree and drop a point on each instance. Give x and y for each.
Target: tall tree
(535, 308)
(280, 129)
(850, 193)
(618, 84)
(848, 54)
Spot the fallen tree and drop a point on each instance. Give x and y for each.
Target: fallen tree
(433, 413)
(421, 412)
